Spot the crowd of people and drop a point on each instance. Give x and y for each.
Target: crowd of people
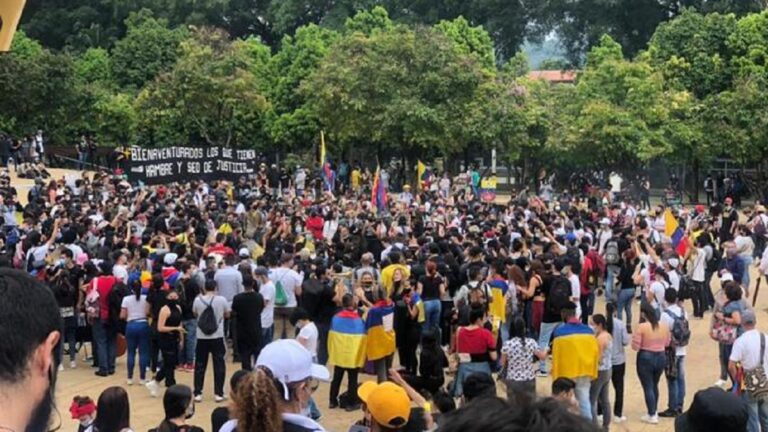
(436, 293)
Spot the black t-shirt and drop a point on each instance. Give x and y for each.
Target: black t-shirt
(247, 307)
(156, 300)
(189, 291)
(317, 299)
(430, 287)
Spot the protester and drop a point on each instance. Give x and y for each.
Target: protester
(135, 310)
(475, 348)
(346, 349)
(517, 357)
(170, 333)
(179, 406)
(599, 387)
(650, 340)
(748, 354)
(618, 331)
(113, 411)
(247, 308)
(211, 310)
(676, 318)
(28, 372)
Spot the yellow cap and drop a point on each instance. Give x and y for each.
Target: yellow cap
(387, 402)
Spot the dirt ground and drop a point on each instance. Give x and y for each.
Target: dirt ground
(701, 371)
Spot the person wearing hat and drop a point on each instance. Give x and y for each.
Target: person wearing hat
(714, 410)
(387, 404)
(295, 377)
(748, 352)
(406, 196)
(575, 355)
(729, 220)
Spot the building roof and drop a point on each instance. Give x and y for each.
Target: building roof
(554, 76)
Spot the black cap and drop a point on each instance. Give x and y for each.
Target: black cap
(715, 410)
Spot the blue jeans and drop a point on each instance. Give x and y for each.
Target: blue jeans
(545, 334)
(745, 276)
(106, 349)
(758, 413)
(676, 387)
(466, 369)
(137, 336)
(267, 334)
(610, 279)
(583, 386)
(626, 295)
(69, 335)
(432, 310)
(650, 366)
(187, 356)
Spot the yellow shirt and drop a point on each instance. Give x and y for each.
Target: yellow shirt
(355, 177)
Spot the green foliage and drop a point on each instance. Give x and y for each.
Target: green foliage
(115, 119)
(469, 40)
(367, 22)
(149, 48)
(209, 96)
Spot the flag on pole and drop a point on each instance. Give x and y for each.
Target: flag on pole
(379, 192)
(674, 231)
(322, 149)
(421, 171)
(10, 14)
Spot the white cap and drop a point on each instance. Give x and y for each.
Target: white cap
(673, 262)
(170, 258)
(290, 362)
(726, 277)
(244, 253)
(605, 221)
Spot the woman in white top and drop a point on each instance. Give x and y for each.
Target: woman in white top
(135, 310)
(517, 357)
(697, 272)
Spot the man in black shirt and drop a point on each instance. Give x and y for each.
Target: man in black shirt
(317, 295)
(247, 307)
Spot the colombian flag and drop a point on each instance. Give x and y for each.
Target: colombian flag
(380, 330)
(498, 308)
(379, 192)
(574, 351)
(423, 174)
(419, 304)
(674, 231)
(346, 340)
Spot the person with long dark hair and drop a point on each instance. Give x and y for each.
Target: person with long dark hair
(517, 357)
(178, 406)
(618, 330)
(599, 388)
(113, 411)
(134, 309)
(650, 340)
(170, 335)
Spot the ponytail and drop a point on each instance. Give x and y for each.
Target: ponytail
(256, 400)
(136, 288)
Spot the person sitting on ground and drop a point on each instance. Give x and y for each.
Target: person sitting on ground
(564, 391)
(179, 406)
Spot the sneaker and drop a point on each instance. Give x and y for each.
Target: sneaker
(218, 398)
(668, 413)
(600, 418)
(129, 382)
(720, 383)
(61, 367)
(198, 398)
(654, 419)
(143, 381)
(73, 364)
(619, 419)
(152, 387)
(541, 374)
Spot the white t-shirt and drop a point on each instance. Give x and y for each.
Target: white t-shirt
(137, 309)
(665, 317)
(658, 290)
(308, 335)
(120, 272)
(267, 291)
(220, 307)
(698, 271)
(674, 279)
(746, 350)
(290, 281)
(575, 292)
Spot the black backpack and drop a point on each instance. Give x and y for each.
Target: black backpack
(559, 295)
(207, 322)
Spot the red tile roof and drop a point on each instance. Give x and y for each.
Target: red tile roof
(554, 76)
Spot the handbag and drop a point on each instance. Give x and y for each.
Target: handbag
(755, 380)
(723, 332)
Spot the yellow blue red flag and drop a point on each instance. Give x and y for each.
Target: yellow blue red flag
(346, 340)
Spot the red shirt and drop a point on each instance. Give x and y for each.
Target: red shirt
(104, 285)
(315, 226)
(477, 341)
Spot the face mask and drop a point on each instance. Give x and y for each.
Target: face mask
(173, 303)
(87, 422)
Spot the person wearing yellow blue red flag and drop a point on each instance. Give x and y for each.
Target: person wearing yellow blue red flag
(346, 352)
(409, 318)
(497, 305)
(380, 333)
(575, 355)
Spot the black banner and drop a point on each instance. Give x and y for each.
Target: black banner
(182, 164)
